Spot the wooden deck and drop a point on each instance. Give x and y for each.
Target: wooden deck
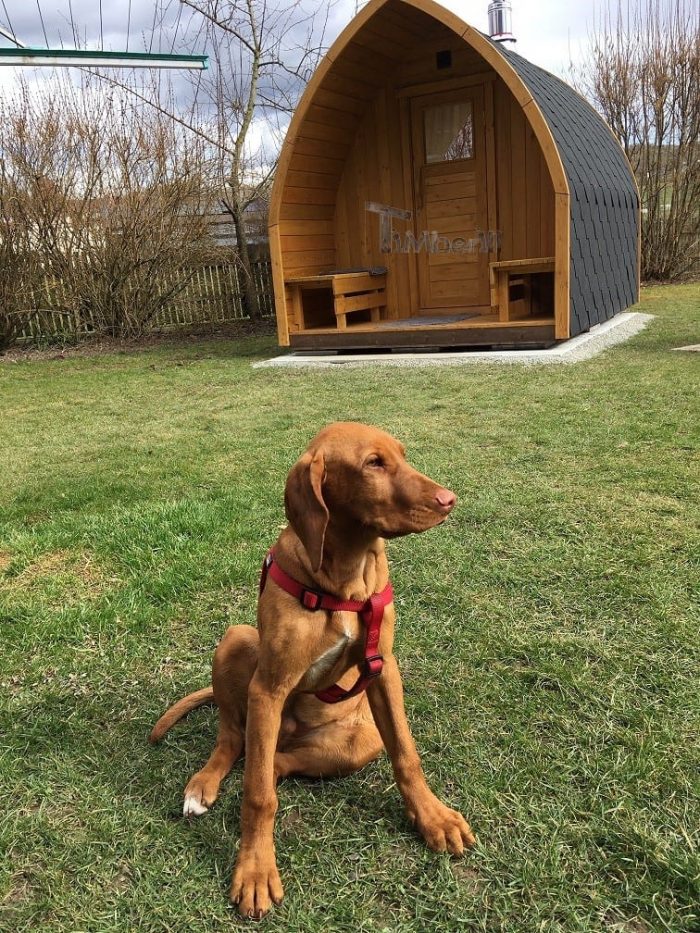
(481, 331)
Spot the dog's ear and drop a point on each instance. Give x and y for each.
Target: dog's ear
(303, 503)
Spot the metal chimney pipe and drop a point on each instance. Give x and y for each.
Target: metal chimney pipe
(501, 21)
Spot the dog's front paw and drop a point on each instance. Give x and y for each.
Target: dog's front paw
(443, 829)
(193, 806)
(256, 884)
(199, 795)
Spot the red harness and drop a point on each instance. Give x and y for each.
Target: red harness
(371, 612)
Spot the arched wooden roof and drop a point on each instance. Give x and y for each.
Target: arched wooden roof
(325, 82)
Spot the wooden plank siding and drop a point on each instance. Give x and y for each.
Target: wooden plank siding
(528, 334)
(524, 191)
(375, 172)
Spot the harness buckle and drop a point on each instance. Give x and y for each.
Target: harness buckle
(311, 599)
(373, 666)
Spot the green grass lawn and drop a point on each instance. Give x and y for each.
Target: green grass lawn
(548, 635)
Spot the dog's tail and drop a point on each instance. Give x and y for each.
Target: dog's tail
(178, 710)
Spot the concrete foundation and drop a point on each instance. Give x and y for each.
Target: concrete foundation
(599, 338)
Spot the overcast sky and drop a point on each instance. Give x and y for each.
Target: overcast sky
(548, 31)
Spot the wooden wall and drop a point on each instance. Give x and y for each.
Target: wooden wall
(524, 192)
(379, 165)
(326, 138)
(374, 172)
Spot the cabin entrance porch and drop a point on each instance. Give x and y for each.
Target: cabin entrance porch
(440, 274)
(415, 203)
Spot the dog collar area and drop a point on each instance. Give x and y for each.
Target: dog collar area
(371, 611)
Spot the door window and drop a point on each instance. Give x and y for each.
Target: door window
(449, 132)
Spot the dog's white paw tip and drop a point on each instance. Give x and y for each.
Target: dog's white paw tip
(193, 807)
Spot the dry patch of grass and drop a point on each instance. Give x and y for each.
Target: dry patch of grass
(616, 924)
(19, 890)
(72, 576)
(18, 894)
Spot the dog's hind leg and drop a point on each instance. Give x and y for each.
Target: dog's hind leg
(235, 660)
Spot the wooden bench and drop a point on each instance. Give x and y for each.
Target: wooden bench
(515, 272)
(351, 291)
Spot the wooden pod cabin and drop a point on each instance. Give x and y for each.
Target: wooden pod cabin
(437, 189)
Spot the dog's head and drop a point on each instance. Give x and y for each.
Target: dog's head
(357, 477)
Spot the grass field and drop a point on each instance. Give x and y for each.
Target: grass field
(548, 635)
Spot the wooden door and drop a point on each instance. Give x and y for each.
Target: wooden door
(449, 183)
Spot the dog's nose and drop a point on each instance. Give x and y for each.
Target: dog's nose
(445, 498)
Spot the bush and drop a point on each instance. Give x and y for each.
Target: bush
(107, 204)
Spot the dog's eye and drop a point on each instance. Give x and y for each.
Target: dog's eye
(374, 461)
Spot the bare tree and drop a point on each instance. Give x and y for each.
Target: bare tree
(262, 53)
(643, 74)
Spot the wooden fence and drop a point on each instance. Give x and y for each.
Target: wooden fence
(213, 295)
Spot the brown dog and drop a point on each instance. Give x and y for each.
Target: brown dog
(350, 489)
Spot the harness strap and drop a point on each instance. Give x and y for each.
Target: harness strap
(371, 612)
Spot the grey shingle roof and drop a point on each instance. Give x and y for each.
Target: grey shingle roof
(604, 200)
